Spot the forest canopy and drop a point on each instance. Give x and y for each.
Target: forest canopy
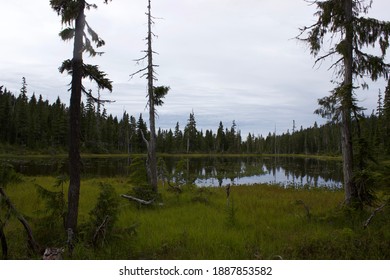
(31, 122)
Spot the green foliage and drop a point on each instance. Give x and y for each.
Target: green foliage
(68, 10)
(231, 216)
(47, 130)
(139, 180)
(55, 208)
(8, 175)
(351, 36)
(67, 34)
(160, 93)
(365, 183)
(105, 214)
(267, 223)
(51, 222)
(89, 71)
(138, 175)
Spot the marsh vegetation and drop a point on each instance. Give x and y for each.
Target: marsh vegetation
(257, 221)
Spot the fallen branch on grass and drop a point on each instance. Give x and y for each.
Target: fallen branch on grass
(141, 201)
(380, 208)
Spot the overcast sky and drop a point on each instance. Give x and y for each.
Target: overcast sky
(223, 59)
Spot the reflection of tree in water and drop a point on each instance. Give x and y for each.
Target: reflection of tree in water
(216, 171)
(297, 171)
(304, 171)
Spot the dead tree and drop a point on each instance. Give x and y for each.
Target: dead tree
(32, 244)
(154, 99)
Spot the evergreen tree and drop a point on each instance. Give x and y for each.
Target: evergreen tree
(178, 138)
(6, 119)
(133, 135)
(386, 117)
(21, 116)
(209, 141)
(221, 140)
(190, 134)
(72, 14)
(141, 134)
(352, 34)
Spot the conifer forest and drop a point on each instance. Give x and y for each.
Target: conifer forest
(34, 124)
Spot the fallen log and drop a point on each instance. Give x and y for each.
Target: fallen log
(141, 201)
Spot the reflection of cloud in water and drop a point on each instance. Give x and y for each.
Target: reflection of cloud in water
(278, 176)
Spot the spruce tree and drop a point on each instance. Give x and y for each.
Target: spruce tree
(351, 34)
(386, 118)
(190, 133)
(72, 14)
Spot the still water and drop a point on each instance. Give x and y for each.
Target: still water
(205, 171)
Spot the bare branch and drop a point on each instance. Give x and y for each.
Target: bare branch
(324, 56)
(139, 71)
(146, 141)
(141, 201)
(380, 208)
(335, 64)
(100, 230)
(96, 99)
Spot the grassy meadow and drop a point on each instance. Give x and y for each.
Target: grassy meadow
(256, 222)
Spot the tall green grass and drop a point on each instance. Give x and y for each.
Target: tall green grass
(258, 222)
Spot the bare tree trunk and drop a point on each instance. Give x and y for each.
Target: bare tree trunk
(347, 88)
(152, 157)
(3, 241)
(74, 122)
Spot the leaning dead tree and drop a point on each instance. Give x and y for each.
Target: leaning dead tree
(155, 94)
(32, 243)
(7, 175)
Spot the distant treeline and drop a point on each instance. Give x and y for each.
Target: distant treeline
(35, 124)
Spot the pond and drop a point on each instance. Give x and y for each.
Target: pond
(205, 171)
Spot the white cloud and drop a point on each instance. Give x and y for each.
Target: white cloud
(226, 60)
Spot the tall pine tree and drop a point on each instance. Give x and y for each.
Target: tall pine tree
(72, 14)
(351, 34)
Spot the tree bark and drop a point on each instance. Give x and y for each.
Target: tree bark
(3, 241)
(74, 121)
(152, 157)
(346, 103)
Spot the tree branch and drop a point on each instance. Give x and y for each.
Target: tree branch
(146, 141)
(31, 241)
(380, 208)
(324, 57)
(139, 71)
(141, 201)
(100, 230)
